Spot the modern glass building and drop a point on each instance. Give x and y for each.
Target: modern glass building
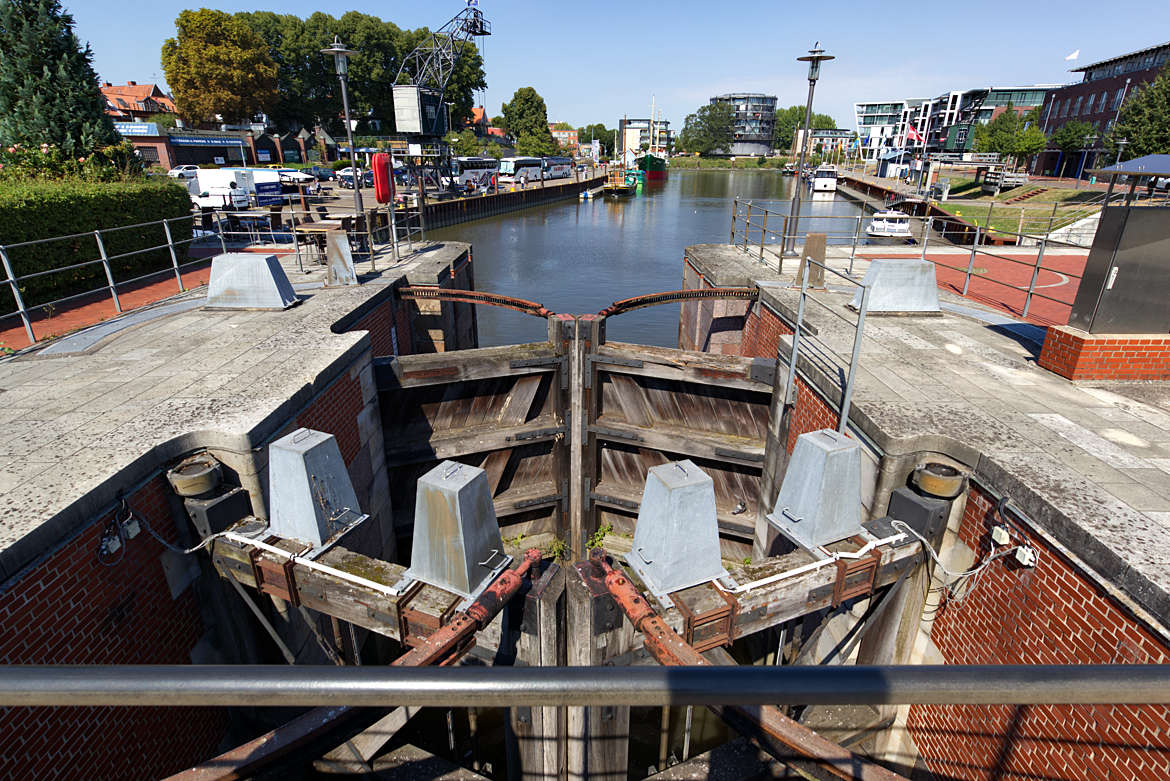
(755, 119)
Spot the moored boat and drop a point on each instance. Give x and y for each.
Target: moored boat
(889, 224)
(654, 166)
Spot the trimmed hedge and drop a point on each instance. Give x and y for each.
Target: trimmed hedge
(43, 209)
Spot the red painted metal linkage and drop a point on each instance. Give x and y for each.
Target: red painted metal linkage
(447, 644)
(782, 737)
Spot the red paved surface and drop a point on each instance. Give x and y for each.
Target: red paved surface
(97, 307)
(996, 277)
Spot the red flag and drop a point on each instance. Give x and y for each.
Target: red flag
(914, 135)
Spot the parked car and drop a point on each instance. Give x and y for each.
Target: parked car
(322, 174)
(345, 178)
(293, 176)
(184, 172)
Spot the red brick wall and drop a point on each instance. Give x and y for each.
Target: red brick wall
(810, 413)
(335, 411)
(762, 332)
(380, 324)
(70, 609)
(1077, 355)
(1048, 615)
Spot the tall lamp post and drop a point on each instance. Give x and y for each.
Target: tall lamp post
(1090, 140)
(341, 57)
(816, 55)
(1121, 144)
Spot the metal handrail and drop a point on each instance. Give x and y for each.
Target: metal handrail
(501, 686)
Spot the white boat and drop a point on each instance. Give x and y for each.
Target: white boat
(889, 224)
(824, 179)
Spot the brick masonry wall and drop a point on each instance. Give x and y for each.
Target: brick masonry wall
(70, 609)
(1052, 614)
(382, 327)
(1078, 355)
(762, 331)
(810, 413)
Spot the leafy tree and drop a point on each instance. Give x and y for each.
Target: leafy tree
(709, 129)
(1070, 139)
(217, 65)
(526, 119)
(599, 131)
(1145, 120)
(562, 126)
(48, 89)
(791, 118)
(166, 120)
(307, 83)
(1032, 141)
(465, 143)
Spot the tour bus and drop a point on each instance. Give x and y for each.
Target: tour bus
(558, 167)
(478, 171)
(513, 168)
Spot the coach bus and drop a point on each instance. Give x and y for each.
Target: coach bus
(558, 167)
(477, 171)
(512, 169)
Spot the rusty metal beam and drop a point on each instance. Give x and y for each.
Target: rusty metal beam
(785, 739)
(674, 296)
(426, 292)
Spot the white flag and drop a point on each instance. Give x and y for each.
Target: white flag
(1074, 55)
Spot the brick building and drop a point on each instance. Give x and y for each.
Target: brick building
(133, 101)
(1096, 99)
(566, 138)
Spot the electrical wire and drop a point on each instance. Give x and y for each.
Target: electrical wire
(120, 525)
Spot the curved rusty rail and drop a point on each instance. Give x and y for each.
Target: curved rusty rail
(672, 296)
(429, 293)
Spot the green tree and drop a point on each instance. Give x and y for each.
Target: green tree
(599, 131)
(1032, 142)
(526, 119)
(217, 65)
(465, 144)
(562, 126)
(1069, 138)
(1145, 120)
(166, 120)
(791, 118)
(48, 89)
(710, 129)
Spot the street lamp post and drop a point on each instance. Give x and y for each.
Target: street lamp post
(1121, 144)
(1090, 140)
(816, 55)
(341, 57)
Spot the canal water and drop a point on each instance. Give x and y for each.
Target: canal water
(581, 256)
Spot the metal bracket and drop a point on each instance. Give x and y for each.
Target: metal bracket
(610, 433)
(606, 499)
(592, 358)
(537, 434)
(742, 456)
(524, 363)
(866, 567)
(709, 629)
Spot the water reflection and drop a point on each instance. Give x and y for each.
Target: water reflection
(580, 256)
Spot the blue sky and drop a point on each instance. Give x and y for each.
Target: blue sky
(597, 61)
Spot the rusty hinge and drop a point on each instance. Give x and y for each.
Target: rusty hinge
(710, 628)
(415, 626)
(274, 577)
(856, 577)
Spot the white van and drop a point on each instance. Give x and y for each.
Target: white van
(218, 189)
(263, 184)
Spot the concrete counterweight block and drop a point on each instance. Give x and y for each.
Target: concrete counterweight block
(311, 496)
(676, 539)
(245, 280)
(820, 498)
(899, 286)
(457, 544)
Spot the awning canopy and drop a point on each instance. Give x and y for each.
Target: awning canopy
(1140, 167)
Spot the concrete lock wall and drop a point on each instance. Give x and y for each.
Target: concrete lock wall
(147, 605)
(1061, 612)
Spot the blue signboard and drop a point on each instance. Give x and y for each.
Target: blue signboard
(205, 141)
(136, 128)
